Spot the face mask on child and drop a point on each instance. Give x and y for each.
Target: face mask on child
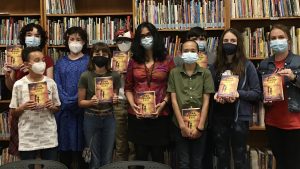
(32, 41)
(75, 47)
(147, 42)
(201, 45)
(190, 57)
(38, 67)
(229, 48)
(100, 61)
(279, 45)
(124, 46)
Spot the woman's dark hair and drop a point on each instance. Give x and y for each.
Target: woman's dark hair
(75, 30)
(29, 27)
(237, 65)
(196, 32)
(158, 48)
(97, 47)
(26, 51)
(285, 29)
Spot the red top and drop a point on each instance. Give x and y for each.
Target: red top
(137, 80)
(278, 115)
(49, 63)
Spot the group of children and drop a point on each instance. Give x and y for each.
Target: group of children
(73, 118)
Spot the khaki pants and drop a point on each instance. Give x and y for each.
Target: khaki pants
(124, 148)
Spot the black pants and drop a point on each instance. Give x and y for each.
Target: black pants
(73, 160)
(285, 145)
(142, 152)
(226, 134)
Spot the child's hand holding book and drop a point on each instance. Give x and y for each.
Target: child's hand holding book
(94, 101)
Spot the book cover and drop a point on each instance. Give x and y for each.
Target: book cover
(104, 89)
(14, 55)
(191, 117)
(146, 102)
(228, 85)
(202, 60)
(272, 87)
(120, 61)
(38, 92)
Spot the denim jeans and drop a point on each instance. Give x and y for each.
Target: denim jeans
(99, 133)
(227, 133)
(46, 154)
(190, 152)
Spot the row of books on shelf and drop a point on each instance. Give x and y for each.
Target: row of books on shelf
(257, 44)
(98, 29)
(2, 62)
(10, 29)
(258, 116)
(184, 14)
(264, 8)
(4, 126)
(60, 6)
(6, 157)
(261, 158)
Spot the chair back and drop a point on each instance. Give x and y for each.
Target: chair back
(135, 164)
(26, 164)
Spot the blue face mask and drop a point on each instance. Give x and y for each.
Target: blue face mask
(147, 42)
(32, 41)
(201, 45)
(190, 57)
(279, 45)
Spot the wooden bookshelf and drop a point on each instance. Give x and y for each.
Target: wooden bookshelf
(257, 128)
(89, 14)
(268, 18)
(4, 101)
(4, 138)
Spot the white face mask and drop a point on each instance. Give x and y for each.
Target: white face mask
(190, 57)
(38, 67)
(32, 41)
(201, 44)
(75, 47)
(147, 42)
(124, 46)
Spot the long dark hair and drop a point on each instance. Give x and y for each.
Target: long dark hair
(158, 48)
(239, 59)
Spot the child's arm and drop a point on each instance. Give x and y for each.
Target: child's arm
(185, 132)
(17, 112)
(50, 105)
(86, 103)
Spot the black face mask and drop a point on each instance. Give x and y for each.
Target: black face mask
(100, 61)
(229, 48)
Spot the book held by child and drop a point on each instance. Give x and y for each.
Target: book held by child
(191, 117)
(146, 102)
(104, 89)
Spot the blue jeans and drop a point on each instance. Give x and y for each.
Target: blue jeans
(190, 152)
(99, 133)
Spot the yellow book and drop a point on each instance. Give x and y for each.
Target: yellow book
(146, 102)
(272, 87)
(38, 92)
(14, 56)
(191, 117)
(228, 85)
(104, 89)
(202, 60)
(120, 61)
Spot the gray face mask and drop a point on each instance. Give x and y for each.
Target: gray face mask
(147, 42)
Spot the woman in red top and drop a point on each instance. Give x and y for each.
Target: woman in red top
(283, 117)
(30, 35)
(148, 70)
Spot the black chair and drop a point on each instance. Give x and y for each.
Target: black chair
(26, 164)
(134, 164)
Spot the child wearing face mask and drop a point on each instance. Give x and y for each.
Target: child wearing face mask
(99, 122)
(70, 119)
(190, 86)
(124, 148)
(206, 57)
(231, 115)
(37, 127)
(282, 118)
(31, 35)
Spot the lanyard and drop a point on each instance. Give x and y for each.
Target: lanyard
(149, 78)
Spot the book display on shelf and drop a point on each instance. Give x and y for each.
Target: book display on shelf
(182, 15)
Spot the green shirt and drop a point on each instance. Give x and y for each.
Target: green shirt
(87, 81)
(190, 89)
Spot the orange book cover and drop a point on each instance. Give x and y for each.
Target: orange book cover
(104, 89)
(202, 60)
(228, 85)
(146, 102)
(14, 56)
(191, 117)
(272, 87)
(120, 61)
(38, 92)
